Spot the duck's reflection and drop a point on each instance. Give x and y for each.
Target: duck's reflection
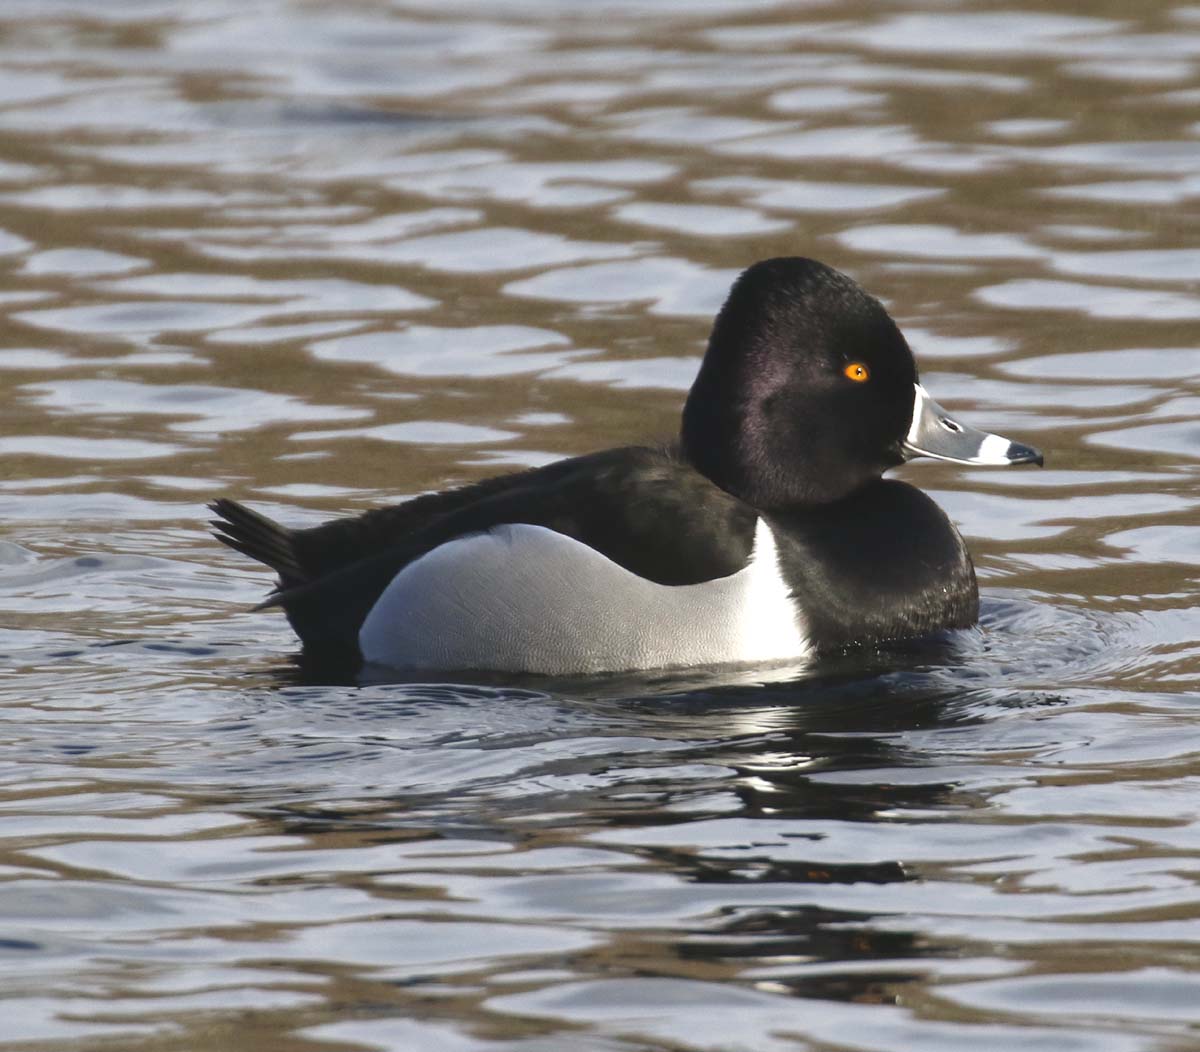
(758, 809)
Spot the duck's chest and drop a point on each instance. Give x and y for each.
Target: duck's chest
(524, 598)
(883, 564)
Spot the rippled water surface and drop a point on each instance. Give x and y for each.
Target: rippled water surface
(319, 257)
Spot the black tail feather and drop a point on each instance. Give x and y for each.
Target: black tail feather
(252, 534)
(330, 641)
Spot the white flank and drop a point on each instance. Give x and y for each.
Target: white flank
(523, 598)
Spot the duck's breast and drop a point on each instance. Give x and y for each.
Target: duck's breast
(523, 598)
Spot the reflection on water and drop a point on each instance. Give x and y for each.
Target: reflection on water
(320, 258)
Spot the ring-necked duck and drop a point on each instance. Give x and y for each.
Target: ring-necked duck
(765, 534)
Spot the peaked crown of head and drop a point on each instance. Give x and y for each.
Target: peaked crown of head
(775, 416)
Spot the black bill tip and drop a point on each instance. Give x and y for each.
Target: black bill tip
(1021, 454)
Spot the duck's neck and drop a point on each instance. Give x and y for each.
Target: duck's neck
(884, 563)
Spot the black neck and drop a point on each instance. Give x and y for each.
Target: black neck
(884, 563)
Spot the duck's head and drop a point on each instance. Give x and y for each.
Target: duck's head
(809, 391)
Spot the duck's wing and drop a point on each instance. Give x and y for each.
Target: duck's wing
(302, 556)
(643, 508)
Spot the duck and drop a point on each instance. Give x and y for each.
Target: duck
(764, 533)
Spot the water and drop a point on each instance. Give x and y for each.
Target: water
(321, 257)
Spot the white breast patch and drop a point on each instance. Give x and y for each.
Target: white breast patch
(523, 598)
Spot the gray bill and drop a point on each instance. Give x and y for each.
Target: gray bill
(935, 433)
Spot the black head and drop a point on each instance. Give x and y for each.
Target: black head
(806, 390)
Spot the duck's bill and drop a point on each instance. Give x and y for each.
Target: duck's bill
(935, 433)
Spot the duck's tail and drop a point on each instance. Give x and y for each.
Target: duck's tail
(325, 615)
(255, 535)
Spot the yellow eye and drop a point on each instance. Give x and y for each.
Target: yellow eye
(857, 372)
